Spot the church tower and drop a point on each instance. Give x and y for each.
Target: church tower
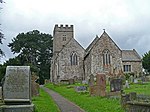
(61, 36)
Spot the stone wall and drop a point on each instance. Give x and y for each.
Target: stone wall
(65, 69)
(59, 33)
(91, 63)
(87, 67)
(96, 56)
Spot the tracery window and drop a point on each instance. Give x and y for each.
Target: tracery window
(106, 57)
(74, 58)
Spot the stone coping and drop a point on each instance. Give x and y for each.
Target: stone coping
(16, 106)
(17, 100)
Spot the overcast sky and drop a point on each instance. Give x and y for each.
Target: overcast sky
(126, 21)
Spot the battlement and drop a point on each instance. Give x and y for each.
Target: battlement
(63, 28)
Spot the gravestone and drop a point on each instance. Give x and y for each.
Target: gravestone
(75, 78)
(91, 80)
(100, 88)
(84, 82)
(115, 85)
(80, 88)
(131, 79)
(101, 81)
(95, 90)
(46, 81)
(126, 84)
(35, 88)
(71, 81)
(135, 81)
(17, 89)
(143, 79)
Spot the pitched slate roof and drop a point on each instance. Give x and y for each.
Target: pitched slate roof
(130, 55)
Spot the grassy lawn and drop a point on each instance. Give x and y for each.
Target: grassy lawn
(44, 103)
(139, 88)
(88, 103)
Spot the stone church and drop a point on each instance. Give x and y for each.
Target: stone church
(70, 60)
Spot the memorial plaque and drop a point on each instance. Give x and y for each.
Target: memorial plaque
(17, 85)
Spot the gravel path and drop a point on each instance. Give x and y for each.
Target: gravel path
(64, 104)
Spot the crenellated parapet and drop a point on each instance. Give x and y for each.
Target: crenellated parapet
(63, 28)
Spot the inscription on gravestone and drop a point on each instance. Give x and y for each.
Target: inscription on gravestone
(16, 86)
(100, 88)
(115, 85)
(101, 81)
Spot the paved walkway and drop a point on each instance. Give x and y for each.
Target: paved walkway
(64, 104)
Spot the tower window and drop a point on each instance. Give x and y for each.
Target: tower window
(64, 37)
(106, 57)
(74, 59)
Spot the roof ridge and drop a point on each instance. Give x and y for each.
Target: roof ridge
(105, 33)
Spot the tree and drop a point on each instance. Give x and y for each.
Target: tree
(35, 49)
(1, 37)
(11, 62)
(146, 61)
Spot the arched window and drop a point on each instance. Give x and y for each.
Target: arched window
(74, 59)
(106, 57)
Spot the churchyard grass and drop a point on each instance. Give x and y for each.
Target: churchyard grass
(139, 88)
(44, 103)
(85, 101)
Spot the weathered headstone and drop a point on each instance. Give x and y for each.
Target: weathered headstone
(91, 80)
(75, 78)
(95, 90)
(84, 82)
(143, 79)
(17, 85)
(80, 88)
(135, 81)
(100, 88)
(131, 79)
(101, 81)
(35, 88)
(17, 89)
(126, 84)
(115, 85)
(46, 81)
(71, 81)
